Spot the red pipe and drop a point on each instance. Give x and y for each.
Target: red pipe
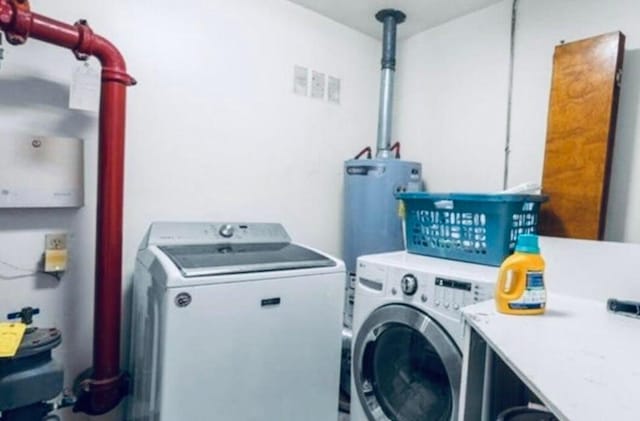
(107, 383)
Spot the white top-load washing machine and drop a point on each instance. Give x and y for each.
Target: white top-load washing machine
(407, 330)
(234, 322)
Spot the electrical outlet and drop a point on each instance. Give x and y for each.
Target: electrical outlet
(55, 241)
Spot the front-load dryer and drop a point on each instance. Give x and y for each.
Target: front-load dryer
(407, 330)
(234, 322)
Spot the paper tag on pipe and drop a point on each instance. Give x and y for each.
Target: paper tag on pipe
(84, 91)
(10, 338)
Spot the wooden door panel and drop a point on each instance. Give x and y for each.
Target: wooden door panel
(580, 133)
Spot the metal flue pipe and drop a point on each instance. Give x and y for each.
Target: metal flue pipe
(390, 19)
(106, 383)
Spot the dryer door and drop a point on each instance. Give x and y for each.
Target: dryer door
(406, 367)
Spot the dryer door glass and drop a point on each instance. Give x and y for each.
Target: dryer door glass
(406, 366)
(409, 378)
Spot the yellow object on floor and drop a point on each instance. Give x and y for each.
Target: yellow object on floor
(10, 338)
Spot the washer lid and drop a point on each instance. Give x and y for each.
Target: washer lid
(224, 259)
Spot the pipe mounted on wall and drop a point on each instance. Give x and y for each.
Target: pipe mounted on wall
(106, 383)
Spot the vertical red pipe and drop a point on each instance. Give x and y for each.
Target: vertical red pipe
(108, 293)
(106, 384)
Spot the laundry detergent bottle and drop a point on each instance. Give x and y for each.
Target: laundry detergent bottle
(520, 287)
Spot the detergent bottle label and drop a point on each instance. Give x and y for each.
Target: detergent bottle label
(534, 295)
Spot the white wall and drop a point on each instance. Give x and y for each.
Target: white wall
(214, 133)
(542, 24)
(605, 270)
(452, 101)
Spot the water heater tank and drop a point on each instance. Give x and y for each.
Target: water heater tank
(371, 220)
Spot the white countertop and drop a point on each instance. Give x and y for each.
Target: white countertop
(580, 360)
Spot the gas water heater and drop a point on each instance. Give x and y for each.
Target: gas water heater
(372, 223)
(371, 220)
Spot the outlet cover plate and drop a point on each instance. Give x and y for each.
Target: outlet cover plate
(57, 241)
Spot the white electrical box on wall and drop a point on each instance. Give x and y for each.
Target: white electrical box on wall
(41, 172)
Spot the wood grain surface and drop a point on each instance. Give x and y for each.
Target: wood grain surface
(580, 133)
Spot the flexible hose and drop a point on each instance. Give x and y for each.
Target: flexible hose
(366, 150)
(396, 146)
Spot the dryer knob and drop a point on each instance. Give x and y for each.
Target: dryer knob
(226, 231)
(409, 284)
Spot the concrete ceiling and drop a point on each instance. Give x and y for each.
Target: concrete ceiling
(421, 14)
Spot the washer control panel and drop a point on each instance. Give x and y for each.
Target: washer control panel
(182, 233)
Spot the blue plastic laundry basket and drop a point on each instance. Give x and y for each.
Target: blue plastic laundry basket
(478, 228)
